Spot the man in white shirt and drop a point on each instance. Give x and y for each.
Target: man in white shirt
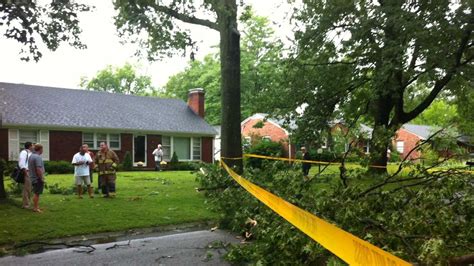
(158, 153)
(23, 164)
(81, 161)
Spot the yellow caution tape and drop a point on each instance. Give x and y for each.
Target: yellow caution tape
(299, 160)
(232, 158)
(346, 246)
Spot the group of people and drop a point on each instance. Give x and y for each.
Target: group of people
(85, 162)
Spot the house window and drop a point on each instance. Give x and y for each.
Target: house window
(166, 147)
(100, 137)
(28, 135)
(182, 146)
(400, 146)
(185, 148)
(114, 141)
(196, 148)
(88, 138)
(94, 140)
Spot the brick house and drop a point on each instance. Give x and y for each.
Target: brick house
(261, 127)
(63, 119)
(408, 137)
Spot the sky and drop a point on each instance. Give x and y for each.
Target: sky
(65, 67)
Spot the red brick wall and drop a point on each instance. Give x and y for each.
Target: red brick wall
(206, 149)
(275, 132)
(126, 144)
(64, 144)
(151, 142)
(410, 140)
(4, 144)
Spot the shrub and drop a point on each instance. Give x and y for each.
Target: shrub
(189, 166)
(174, 158)
(264, 147)
(58, 167)
(15, 188)
(395, 157)
(127, 162)
(8, 167)
(325, 156)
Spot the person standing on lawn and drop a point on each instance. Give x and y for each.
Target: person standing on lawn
(91, 165)
(23, 164)
(305, 165)
(106, 164)
(36, 175)
(81, 162)
(158, 153)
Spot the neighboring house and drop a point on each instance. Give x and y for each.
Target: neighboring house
(408, 137)
(261, 127)
(63, 119)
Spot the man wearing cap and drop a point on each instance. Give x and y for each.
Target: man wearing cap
(106, 162)
(158, 153)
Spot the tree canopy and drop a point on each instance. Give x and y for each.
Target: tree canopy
(123, 79)
(261, 71)
(366, 60)
(35, 25)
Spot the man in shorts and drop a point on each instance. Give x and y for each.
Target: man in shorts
(81, 161)
(36, 175)
(91, 165)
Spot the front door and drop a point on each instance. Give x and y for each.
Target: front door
(139, 149)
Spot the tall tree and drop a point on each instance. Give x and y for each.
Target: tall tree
(123, 79)
(35, 25)
(367, 58)
(261, 70)
(155, 24)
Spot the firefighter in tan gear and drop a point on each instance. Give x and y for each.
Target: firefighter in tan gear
(106, 162)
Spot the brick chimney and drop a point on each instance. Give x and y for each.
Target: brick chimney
(196, 101)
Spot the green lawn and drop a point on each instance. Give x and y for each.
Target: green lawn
(144, 199)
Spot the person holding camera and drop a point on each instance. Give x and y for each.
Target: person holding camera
(81, 162)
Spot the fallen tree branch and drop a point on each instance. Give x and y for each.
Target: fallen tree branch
(118, 246)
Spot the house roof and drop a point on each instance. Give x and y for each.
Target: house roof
(39, 106)
(422, 131)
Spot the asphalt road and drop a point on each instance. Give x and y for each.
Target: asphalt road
(190, 248)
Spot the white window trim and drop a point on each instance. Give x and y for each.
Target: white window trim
(95, 147)
(42, 137)
(190, 148)
(403, 146)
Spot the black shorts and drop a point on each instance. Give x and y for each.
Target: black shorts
(38, 187)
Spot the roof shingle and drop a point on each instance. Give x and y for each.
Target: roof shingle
(23, 105)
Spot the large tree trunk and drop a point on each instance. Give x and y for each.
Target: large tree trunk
(381, 135)
(231, 146)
